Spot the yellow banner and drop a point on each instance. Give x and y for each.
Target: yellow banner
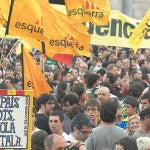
(140, 32)
(116, 33)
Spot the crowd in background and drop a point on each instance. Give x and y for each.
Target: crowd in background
(101, 102)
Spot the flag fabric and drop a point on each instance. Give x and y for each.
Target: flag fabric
(4, 11)
(31, 19)
(94, 11)
(33, 76)
(71, 38)
(140, 32)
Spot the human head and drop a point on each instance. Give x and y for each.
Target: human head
(126, 64)
(145, 117)
(45, 102)
(133, 124)
(81, 126)
(112, 68)
(92, 108)
(75, 73)
(103, 95)
(143, 143)
(37, 142)
(108, 112)
(92, 80)
(80, 90)
(131, 105)
(145, 100)
(69, 101)
(54, 142)
(9, 81)
(126, 143)
(56, 121)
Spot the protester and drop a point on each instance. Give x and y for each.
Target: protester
(143, 143)
(44, 105)
(143, 130)
(37, 142)
(81, 127)
(56, 122)
(126, 143)
(105, 135)
(92, 109)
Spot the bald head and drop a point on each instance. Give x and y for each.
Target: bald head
(103, 94)
(54, 141)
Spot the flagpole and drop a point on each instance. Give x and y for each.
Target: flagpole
(9, 16)
(44, 52)
(11, 50)
(22, 66)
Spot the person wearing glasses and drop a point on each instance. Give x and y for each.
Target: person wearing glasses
(56, 122)
(92, 108)
(81, 127)
(44, 105)
(105, 135)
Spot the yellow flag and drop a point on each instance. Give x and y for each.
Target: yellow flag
(4, 11)
(31, 19)
(29, 43)
(95, 11)
(140, 32)
(33, 77)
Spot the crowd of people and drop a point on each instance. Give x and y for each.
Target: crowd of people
(97, 103)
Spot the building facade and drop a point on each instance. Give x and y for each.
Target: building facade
(133, 8)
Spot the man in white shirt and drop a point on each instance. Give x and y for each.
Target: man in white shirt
(56, 121)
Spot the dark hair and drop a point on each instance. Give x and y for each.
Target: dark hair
(128, 143)
(38, 138)
(57, 113)
(146, 96)
(92, 103)
(79, 89)
(91, 79)
(133, 101)
(81, 120)
(72, 98)
(108, 111)
(42, 99)
(136, 88)
(101, 71)
(145, 112)
(75, 110)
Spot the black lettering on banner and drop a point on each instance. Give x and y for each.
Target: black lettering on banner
(65, 44)
(29, 84)
(82, 12)
(31, 28)
(102, 30)
(127, 27)
(116, 24)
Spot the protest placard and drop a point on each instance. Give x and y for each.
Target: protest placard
(15, 119)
